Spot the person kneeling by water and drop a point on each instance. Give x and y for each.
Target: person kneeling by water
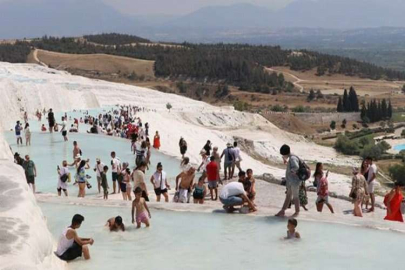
(70, 245)
(233, 194)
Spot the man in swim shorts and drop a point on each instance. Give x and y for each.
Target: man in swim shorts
(187, 180)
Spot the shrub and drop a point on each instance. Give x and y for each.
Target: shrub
(397, 173)
(332, 125)
(344, 145)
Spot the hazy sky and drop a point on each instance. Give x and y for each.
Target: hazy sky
(182, 6)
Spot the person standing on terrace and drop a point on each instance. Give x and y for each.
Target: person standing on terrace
(358, 191)
(371, 181)
(156, 141)
(393, 201)
(293, 181)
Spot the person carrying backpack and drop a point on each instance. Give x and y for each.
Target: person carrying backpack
(293, 180)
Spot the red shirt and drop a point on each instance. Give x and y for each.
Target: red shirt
(212, 171)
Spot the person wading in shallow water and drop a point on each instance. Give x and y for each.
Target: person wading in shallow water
(51, 120)
(70, 245)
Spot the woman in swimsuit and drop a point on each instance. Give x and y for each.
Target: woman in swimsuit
(200, 190)
(27, 134)
(81, 178)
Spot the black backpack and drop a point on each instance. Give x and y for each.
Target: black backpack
(304, 172)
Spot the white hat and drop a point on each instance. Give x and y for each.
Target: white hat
(228, 144)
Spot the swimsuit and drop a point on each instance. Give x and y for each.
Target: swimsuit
(142, 217)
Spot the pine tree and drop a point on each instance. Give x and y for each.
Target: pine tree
(340, 105)
(363, 110)
(354, 102)
(389, 110)
(384, 109)
(346, 102)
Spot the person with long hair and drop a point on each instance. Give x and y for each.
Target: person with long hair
(27, 132)
(364, 171)
(156, 141)
(321, 183)
(393, 201)
(358, 191)
(81, 178)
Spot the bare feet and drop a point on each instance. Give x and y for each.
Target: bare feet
(281, 214)
(295, 214)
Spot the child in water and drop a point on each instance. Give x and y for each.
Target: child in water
(116, 224)
(142, 211)
(291, 226)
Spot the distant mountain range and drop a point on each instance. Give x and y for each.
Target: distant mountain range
(77, 17)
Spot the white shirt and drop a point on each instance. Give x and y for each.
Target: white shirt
(232, 189)
(236, 151)
(64, 124)
(160, 180)
(99, 168)
(371, 171)
(64, 243)
(63, 171)
(115, 164)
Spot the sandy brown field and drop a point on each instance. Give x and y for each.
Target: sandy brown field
(95, 62)
(336, 84)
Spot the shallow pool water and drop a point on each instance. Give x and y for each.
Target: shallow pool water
(220, 241)
(399, 147)
(49, 150)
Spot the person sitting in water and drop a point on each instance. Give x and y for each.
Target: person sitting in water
(70, 245)
(233, 194)
(116, 224)
(43, 128)
(291, 226)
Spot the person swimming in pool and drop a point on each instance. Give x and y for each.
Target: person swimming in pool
(291, 226)
(115, 224)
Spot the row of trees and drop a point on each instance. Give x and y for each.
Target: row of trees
(349, 102)
(376, 110)
(237, 64)
(14, 53)
(115, 39)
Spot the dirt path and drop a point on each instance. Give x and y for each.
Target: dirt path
(35, 55)
(297, 80)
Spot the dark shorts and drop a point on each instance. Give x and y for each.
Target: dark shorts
(31, 179)
(183, 150)
(231, 201)
(60, 189)
(51, 124)
(139, 159)
(64, 133)
(123, 187)
(72, 253)
(114, 176)
(198, 196)
(159, 191)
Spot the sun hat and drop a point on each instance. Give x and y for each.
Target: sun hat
(228, 144)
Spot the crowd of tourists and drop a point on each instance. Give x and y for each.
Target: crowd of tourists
(192, 184)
